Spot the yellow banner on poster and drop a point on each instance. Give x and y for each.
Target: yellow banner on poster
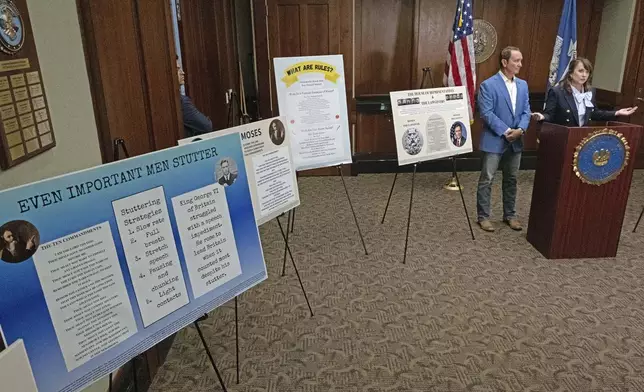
(290, 75)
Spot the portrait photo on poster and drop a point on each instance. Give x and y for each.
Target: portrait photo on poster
(226, 171)
(412, 141)
(458, 134)
(408, 101)
(19, 241)
(276, 132)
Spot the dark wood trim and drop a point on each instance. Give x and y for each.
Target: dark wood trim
(174, 79)
(262, 60)
(634, 55)
(83, 8)
(364, 163)
(607, 99)
(144, 81)
(593, 29)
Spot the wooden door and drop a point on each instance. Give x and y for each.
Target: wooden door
(130, 59)
(209, 54)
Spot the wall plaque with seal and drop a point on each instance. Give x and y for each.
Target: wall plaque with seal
(25, 123)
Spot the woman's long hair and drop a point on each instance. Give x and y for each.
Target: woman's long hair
(566, 82)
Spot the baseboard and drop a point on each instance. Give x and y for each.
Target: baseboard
(364, 163)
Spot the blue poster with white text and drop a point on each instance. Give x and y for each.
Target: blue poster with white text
(99, 265)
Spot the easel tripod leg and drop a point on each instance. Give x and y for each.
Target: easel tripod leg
(638, 220)
(212, 360)
(460, 190)
(389, 198)
(237, 339)
(293, 221)
(288, 227)
(352, 210)
(294, 266)
(411, 200)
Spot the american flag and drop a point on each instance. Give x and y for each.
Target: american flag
(460, 67)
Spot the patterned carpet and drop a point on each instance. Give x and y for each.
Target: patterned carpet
(461, 315)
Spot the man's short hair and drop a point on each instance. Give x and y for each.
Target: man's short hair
(224, 161)
(506, 53)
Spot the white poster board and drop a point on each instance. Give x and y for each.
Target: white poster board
(312, 96)
(431, 123)
(269, 165)
(15, 371)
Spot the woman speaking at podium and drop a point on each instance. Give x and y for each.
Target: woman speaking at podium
(572, 101)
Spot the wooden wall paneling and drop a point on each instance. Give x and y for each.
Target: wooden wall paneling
(198, 56)
(385, 50)
(161, 84)
(543, 43)
(116, 74)
(99, 101)
(228, 66)
(491, 11)
(434, 30)
(210, 56)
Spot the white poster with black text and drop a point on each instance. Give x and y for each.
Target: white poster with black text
(431, 123)
(269, 165)
(312, 96)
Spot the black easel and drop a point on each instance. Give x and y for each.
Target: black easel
(285, 237)
(291, 220)
(205, 346)
(638, 220)
(243, 118)
(427, 73)
(236, 340)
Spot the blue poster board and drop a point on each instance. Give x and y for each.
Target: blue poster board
(100, 265)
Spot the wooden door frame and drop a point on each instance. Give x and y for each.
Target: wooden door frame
(263, 63)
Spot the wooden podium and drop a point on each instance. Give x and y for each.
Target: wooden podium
(570, 218)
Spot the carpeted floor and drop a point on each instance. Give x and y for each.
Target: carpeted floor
(461, 315)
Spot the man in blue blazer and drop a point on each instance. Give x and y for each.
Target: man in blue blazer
(505, 110)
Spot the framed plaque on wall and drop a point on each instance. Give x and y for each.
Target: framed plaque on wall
(25, 124)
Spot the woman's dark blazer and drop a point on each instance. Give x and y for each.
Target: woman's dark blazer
(561, 109)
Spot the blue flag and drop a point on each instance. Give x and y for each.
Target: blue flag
(565, 49)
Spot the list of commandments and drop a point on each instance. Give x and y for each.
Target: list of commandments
(85, 293)
(151, 254)
(207, 238)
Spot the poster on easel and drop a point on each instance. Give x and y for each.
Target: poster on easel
(311, 95)
(431, 124)
(271, 173)
(100, 265)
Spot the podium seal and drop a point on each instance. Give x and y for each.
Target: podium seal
(601, 156)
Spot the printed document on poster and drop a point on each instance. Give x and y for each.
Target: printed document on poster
(85, 293)
(431, 123)
(151, 254)
(312, 97)
(207, 238)
(269, 165)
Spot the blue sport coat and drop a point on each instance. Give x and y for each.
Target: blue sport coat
(495, 109)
